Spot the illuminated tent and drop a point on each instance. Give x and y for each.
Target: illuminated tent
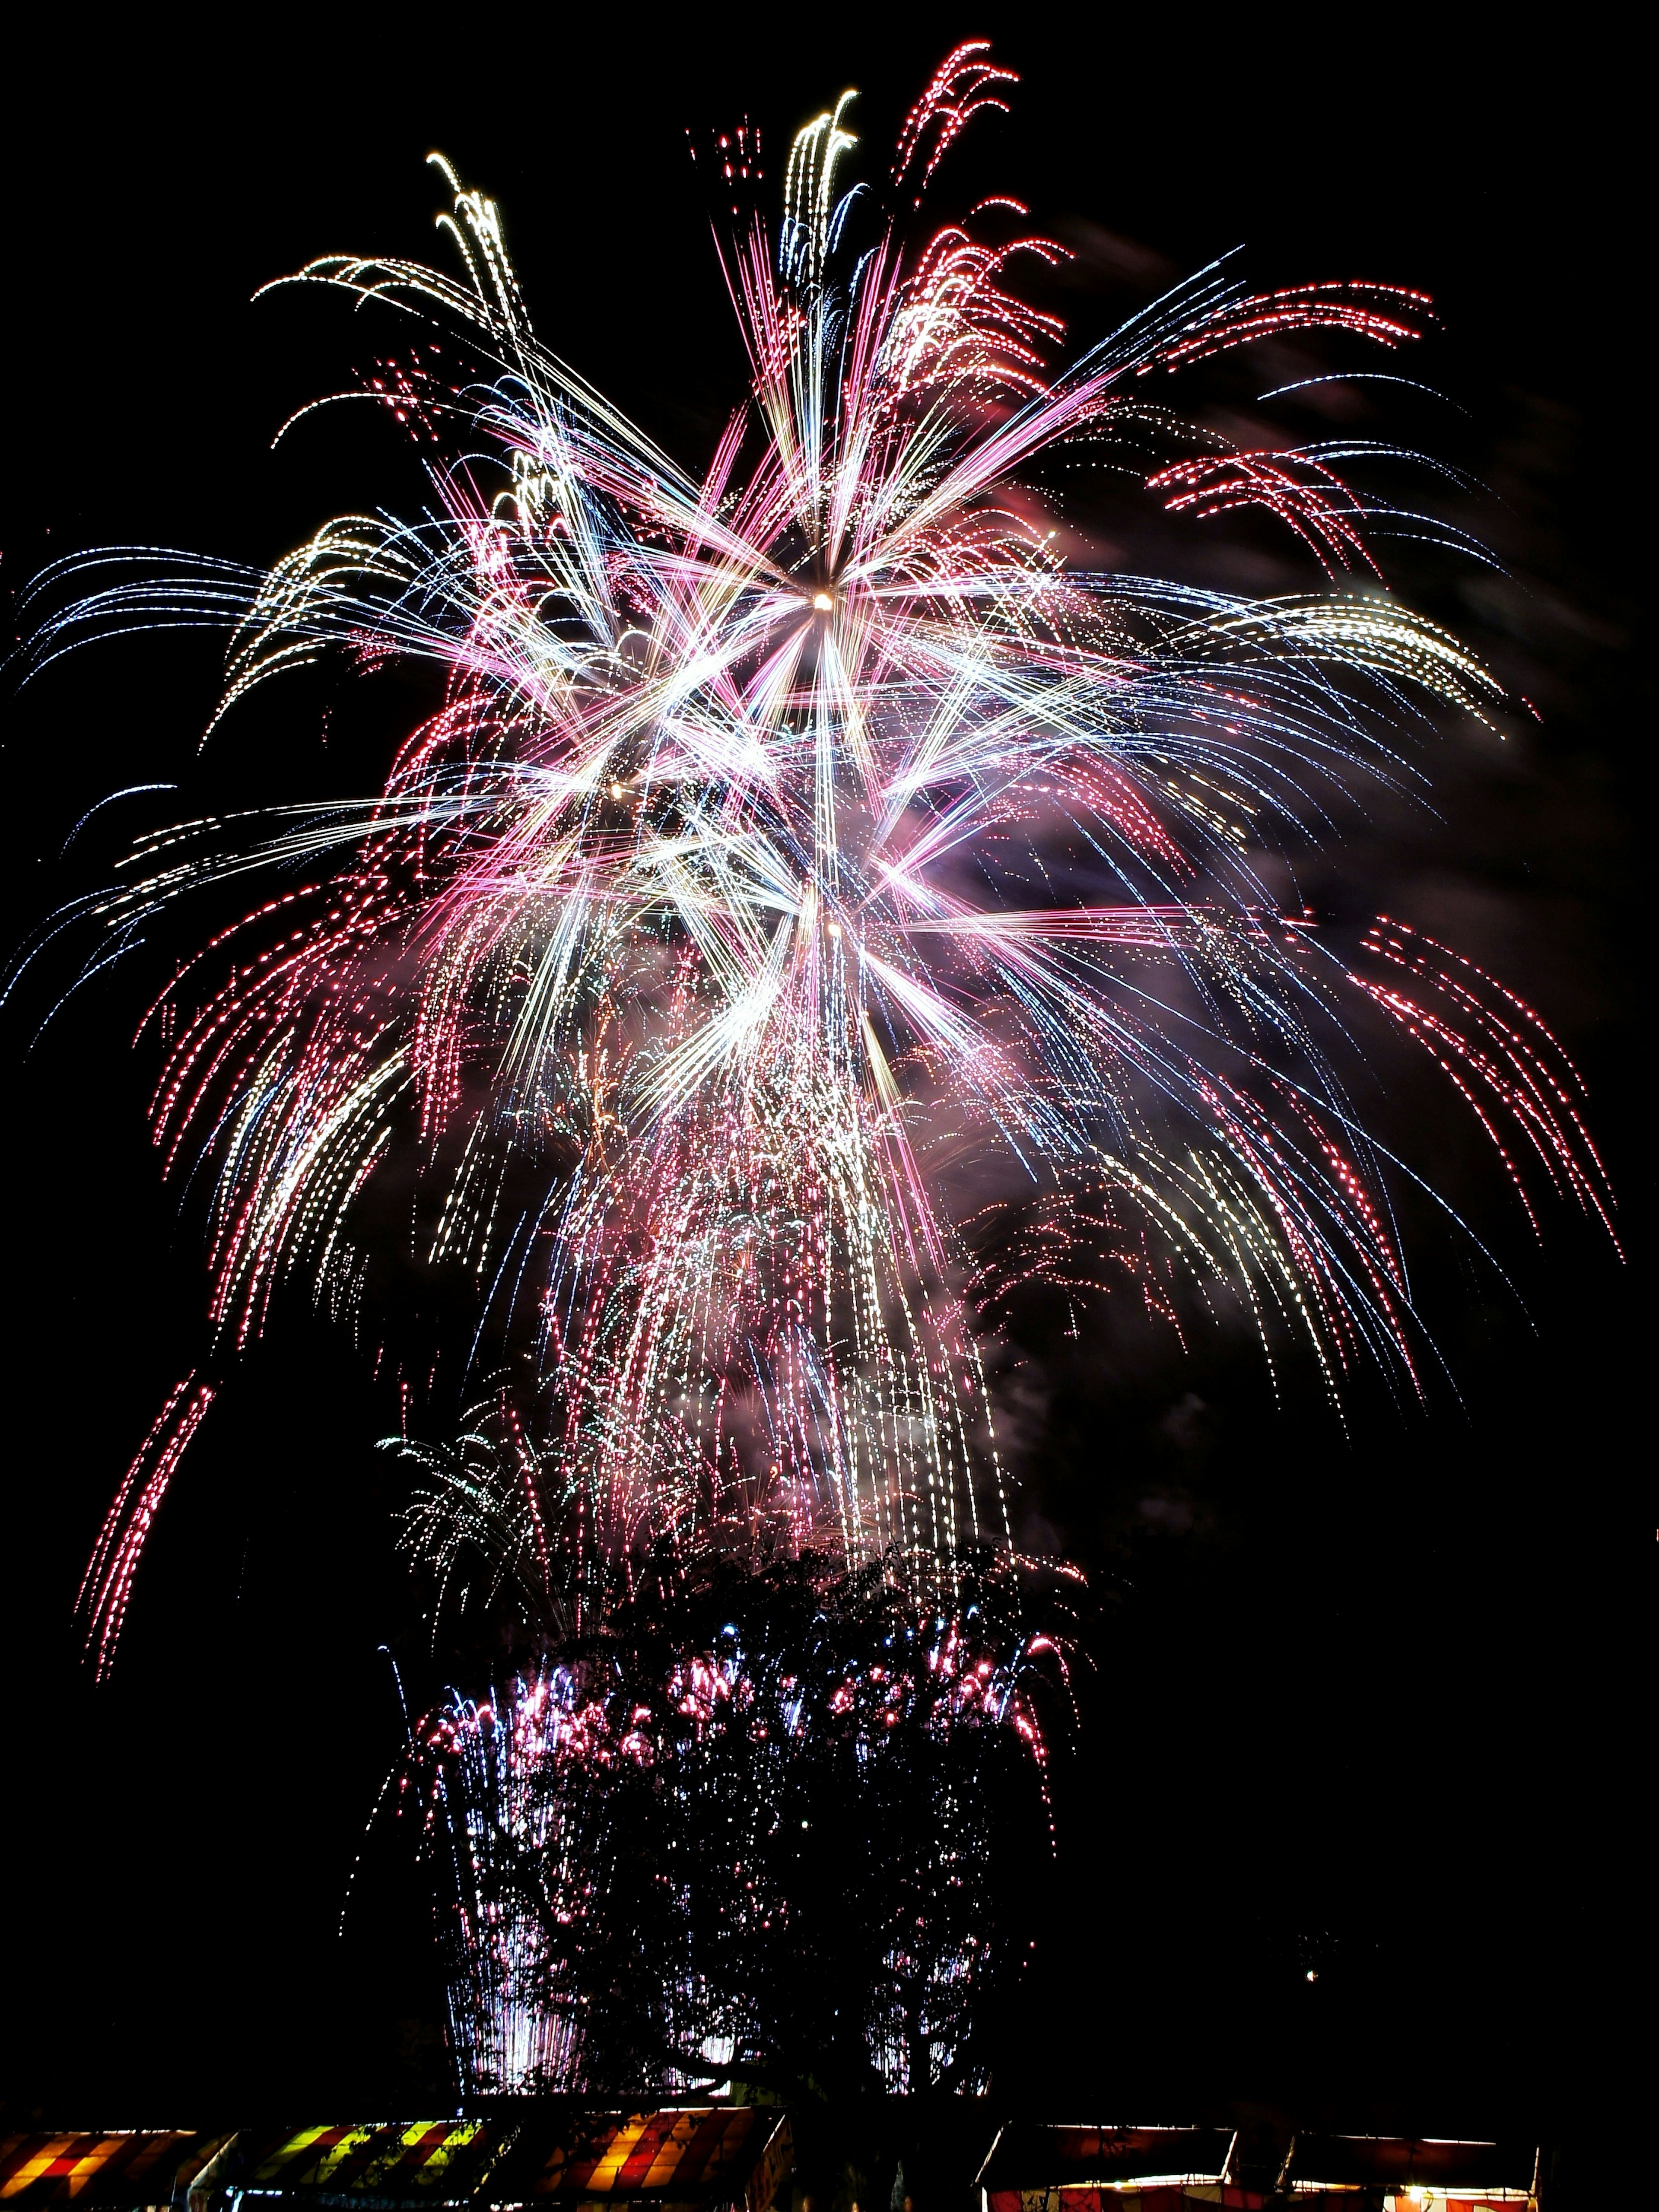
(1095, 2169)
(1354, 2173)
(682, 2158)
(101, 2167)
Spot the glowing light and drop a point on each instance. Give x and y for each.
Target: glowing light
(704, 1181)
(709, 1185)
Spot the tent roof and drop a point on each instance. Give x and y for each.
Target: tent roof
(98, 2167)
(1029, 2157)
(421, 2161)
(1430, 2162)
(686, 2152)
(694, 2156)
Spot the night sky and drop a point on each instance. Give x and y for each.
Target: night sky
(1361, 1705)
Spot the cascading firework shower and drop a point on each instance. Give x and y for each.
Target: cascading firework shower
(800, 850)
(777, 1815)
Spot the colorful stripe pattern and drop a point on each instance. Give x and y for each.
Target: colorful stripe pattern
(694, 2153)
(701, 2156)
(133, 2167)
(439, 2160)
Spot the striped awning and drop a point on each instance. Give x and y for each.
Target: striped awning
(107, 2168)
(689, 2154)
(422, 2161)
(681, 2158)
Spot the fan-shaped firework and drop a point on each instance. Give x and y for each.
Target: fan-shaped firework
(790, 839)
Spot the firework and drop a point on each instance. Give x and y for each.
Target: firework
(786, 1816)
(796, 846)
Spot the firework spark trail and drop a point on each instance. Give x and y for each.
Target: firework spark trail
(783, 837)
(107, 1586)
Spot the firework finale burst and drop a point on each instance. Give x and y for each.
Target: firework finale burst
(820, 906)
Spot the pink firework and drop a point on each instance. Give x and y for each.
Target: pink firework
(798, 845)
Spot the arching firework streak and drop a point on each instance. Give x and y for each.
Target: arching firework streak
(786, 839)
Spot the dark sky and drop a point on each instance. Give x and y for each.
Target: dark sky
(1360, 1705)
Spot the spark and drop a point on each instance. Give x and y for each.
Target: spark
(797, 844)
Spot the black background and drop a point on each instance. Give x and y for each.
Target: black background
(1360, 1706)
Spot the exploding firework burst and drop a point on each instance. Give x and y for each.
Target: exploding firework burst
(788, 1817)
(796, 845)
